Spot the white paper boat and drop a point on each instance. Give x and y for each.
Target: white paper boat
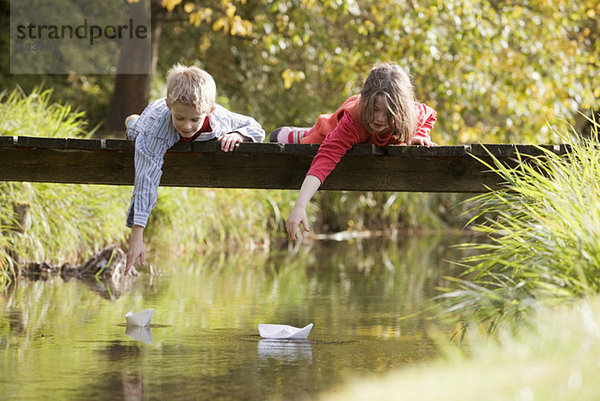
(141, 319)
(282, 331)
(138, 333)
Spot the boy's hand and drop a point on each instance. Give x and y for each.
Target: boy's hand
(136, 248)
(228, 141)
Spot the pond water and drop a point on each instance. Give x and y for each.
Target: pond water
(68, 340)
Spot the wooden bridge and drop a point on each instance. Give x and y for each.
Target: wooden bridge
(258, 165)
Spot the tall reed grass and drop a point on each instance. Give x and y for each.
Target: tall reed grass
(35, 114)
(386, 211)
(51, 222)
(194, 220)
(543, 237)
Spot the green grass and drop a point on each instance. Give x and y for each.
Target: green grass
(385, 211)
(66, 222)
(543, 245)
(192, 220)
(35, 114)
(62, 223)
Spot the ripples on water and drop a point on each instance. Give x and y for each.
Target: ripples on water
(67, 340)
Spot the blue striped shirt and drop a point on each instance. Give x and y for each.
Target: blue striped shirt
(154, 134)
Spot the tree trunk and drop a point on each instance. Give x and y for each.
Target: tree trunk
(132, 91)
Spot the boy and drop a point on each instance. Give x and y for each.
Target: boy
(188, 113)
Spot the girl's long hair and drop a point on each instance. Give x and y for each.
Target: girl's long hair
(393, 83)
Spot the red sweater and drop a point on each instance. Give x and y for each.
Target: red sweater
(339, 131)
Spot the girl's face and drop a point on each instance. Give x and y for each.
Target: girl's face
(379, 124)
(186, 119)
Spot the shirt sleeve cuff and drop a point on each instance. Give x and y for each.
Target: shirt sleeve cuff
(140, 219)
(319, 174)
(243, 132)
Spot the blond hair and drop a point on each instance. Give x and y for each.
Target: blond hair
(393, 83)
(191, 86)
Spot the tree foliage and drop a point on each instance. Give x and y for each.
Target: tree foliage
(494, 70)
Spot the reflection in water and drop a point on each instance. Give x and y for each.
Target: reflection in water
(109, 289)
(132, 386)
(139, 333)
(285, 350)
(60, 340)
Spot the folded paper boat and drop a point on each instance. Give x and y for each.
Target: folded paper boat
(141, 319)
(282, 331)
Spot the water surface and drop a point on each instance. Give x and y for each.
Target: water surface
(67, 340)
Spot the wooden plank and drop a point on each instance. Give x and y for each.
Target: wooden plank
(257, 165)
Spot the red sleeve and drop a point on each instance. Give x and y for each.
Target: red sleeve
(426, 118)
(334, 146)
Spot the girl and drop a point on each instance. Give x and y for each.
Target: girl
(385, 113)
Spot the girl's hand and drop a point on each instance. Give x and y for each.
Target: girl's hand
(230, 140)
(297, 217)
(421, 141)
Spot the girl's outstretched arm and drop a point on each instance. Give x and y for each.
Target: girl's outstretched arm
(310, 185)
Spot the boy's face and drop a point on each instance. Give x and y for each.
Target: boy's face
(186, 119)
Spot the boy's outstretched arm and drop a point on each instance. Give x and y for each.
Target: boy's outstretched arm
(148, 164)
(136, 247)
